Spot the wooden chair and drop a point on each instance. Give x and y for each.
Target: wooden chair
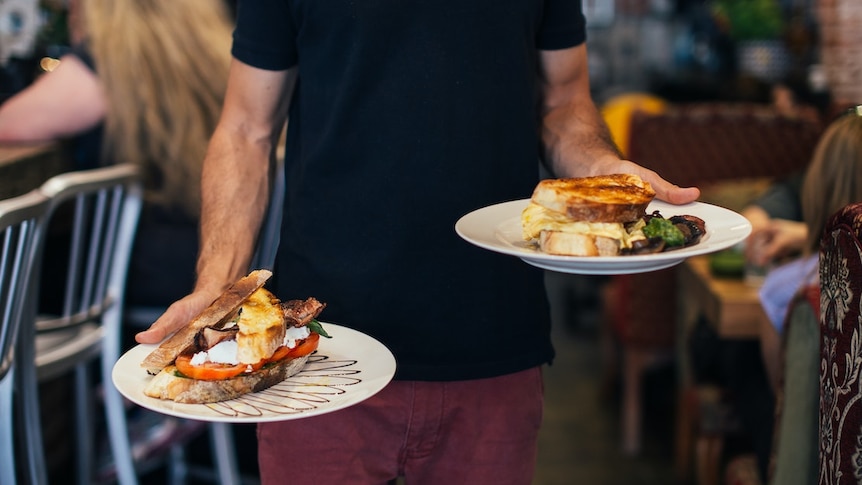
(699, 144)
(21, 229)
(101, 208)
(840, 377)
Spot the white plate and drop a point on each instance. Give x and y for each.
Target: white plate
(498, 228)
(346, 369)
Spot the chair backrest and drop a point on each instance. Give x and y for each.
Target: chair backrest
(794, 450)
(840, 410)
(21, 231)
(103, 206)
(20, 237)
(700, 143)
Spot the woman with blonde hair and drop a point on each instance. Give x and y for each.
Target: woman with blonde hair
(144, 84)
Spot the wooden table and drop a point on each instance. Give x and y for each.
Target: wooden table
(732, 307)
(23, 168)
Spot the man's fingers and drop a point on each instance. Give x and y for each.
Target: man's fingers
(179, 314)
(159, 330)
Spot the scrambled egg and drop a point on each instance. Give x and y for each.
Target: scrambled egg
(536, 218)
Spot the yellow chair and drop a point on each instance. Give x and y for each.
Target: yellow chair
(617, 113)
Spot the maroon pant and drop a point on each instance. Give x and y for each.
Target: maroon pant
(474, 432)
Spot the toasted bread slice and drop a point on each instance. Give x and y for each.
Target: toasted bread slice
(574, 244)
(605, 198)
(167, 384)
(221, 310)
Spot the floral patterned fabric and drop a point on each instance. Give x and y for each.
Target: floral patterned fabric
(840, 459)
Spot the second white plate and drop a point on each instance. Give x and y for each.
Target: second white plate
(345, 370)
(498, 228)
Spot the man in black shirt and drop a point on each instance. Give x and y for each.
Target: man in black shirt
(404, 116)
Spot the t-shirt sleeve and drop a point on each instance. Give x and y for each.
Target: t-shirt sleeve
(264, 34)
(563, 25)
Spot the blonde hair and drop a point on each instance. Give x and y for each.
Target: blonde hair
(163, 65)
(834, 177)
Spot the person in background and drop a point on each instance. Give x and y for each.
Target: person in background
(788, 222)
(831, 181)
(777, 230)
(404, 116)
(143, 83)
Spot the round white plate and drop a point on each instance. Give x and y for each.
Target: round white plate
(498, 228)
(346, 369)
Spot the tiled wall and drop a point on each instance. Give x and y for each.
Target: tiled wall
(841, 48)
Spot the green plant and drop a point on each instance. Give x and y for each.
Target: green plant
(749, 19)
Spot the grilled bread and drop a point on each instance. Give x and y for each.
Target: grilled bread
(591, 216)
(217, 314)
(574, 244)
(605, 198)
(167, 384)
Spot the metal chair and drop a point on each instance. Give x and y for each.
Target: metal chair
(102, 207)
(21, 224)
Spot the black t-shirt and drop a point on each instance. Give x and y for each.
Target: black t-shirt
(406, 116)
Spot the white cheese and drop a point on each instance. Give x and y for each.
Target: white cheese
(223, 352)
(295, 333)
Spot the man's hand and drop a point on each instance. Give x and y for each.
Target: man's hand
(178, 315)
(664, 190)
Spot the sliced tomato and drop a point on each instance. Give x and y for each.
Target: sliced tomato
(208, 371)
(307, 346)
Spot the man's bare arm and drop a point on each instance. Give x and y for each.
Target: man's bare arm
(235, 188)
(576, 138)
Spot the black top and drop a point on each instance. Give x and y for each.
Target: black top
(406, 116)
(782, 199)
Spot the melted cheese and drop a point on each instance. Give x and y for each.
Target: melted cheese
(536, 218)
(261, 327)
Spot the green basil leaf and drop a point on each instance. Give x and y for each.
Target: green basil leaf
(316, 327)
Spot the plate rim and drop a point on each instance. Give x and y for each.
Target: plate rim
(383, 358)
(738, 228)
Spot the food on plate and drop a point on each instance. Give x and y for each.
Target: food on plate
(667, 234)
(586, 216)
(246, 341)
(603, 216)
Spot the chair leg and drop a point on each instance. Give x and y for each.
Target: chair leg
(686, 400)
(709, 449)
(634, 361)
(177, 468)
(221, 439)
(84, 420)
(7, 430)
(115, 410)
(118, 435)
(34, 449)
